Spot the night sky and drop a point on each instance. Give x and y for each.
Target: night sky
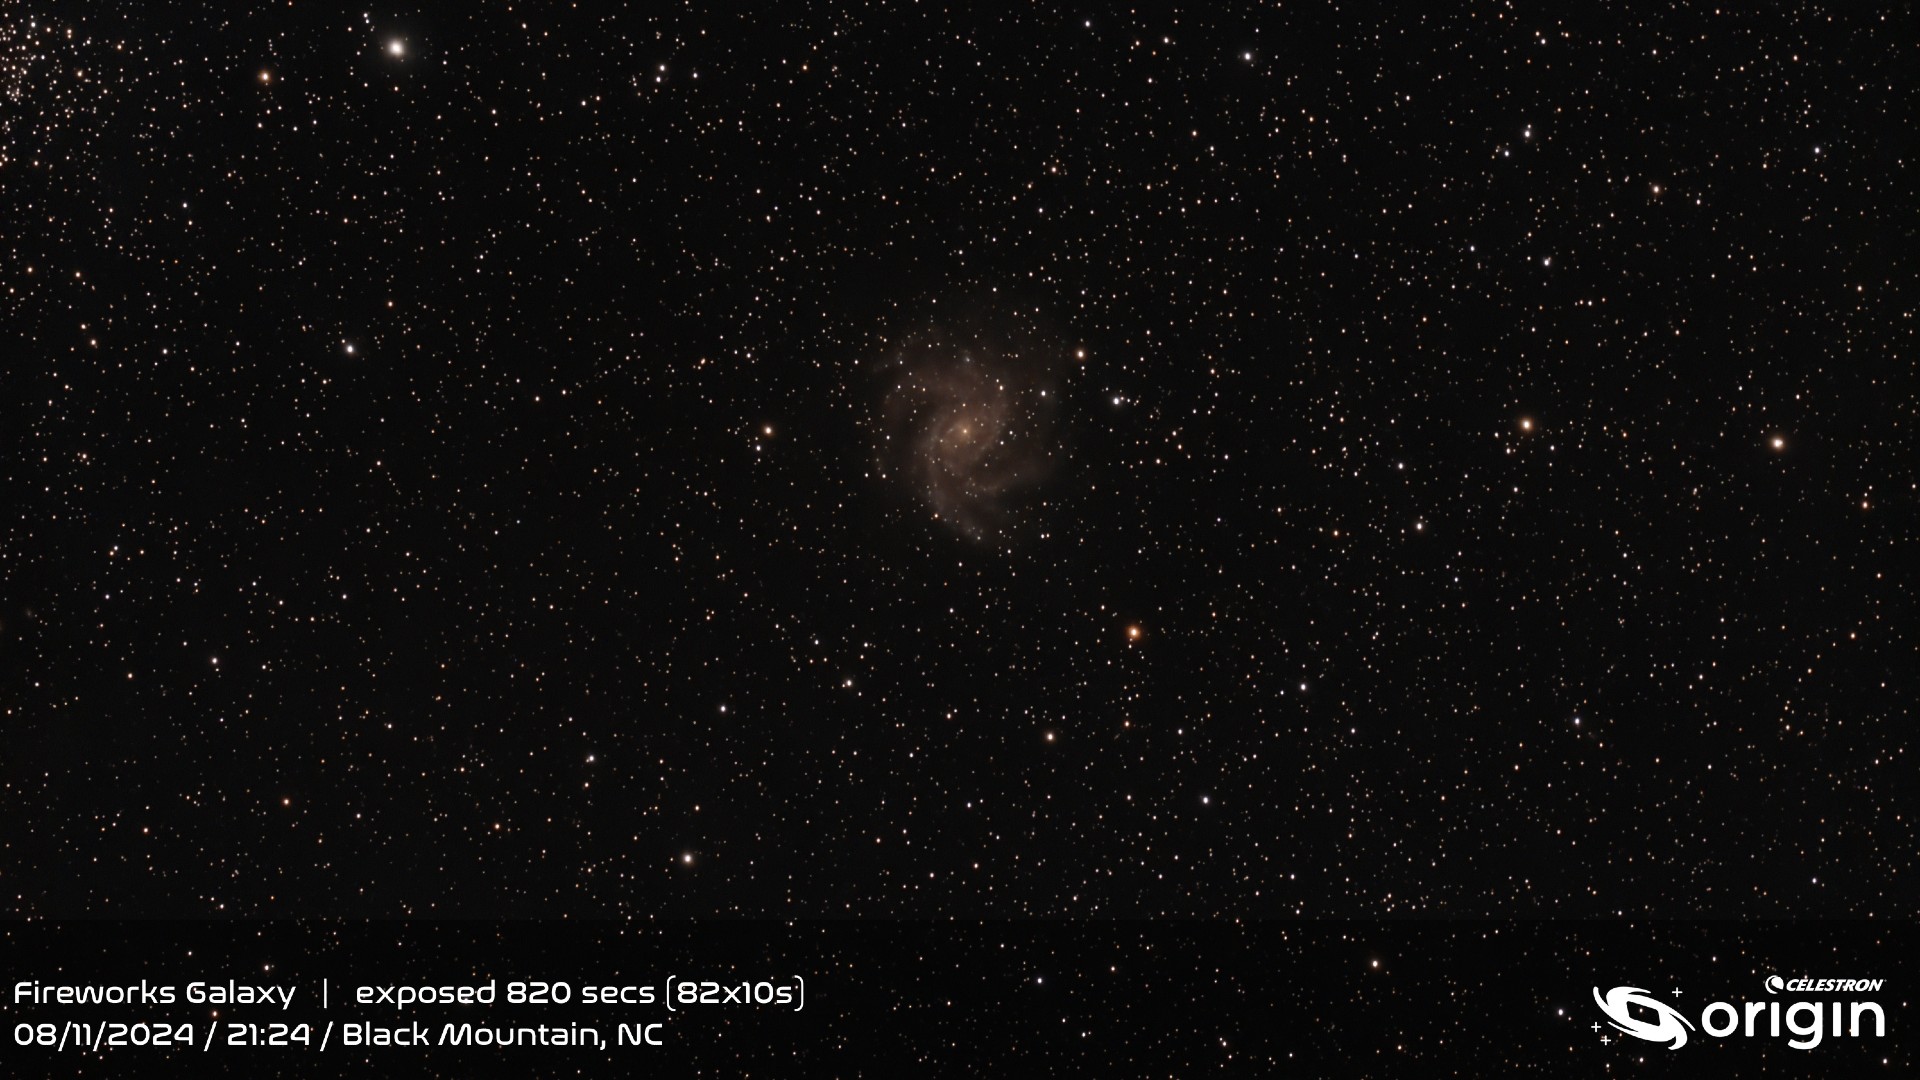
(535, 461)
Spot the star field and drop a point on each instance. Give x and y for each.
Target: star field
(1229, 463)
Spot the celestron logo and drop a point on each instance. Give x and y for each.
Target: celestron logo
(1775, 984)
(1808, 1022)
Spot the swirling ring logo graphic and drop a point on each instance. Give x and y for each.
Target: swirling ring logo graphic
(1672, 1028)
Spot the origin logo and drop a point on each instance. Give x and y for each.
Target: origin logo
(1807, 1023)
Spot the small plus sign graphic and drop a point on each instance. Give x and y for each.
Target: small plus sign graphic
(1604, 1040)
(1596, 1027)
(1676, 991)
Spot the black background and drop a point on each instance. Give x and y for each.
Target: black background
(441, 482)
(1095, 997)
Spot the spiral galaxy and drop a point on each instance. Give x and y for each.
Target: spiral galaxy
(966, 420)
